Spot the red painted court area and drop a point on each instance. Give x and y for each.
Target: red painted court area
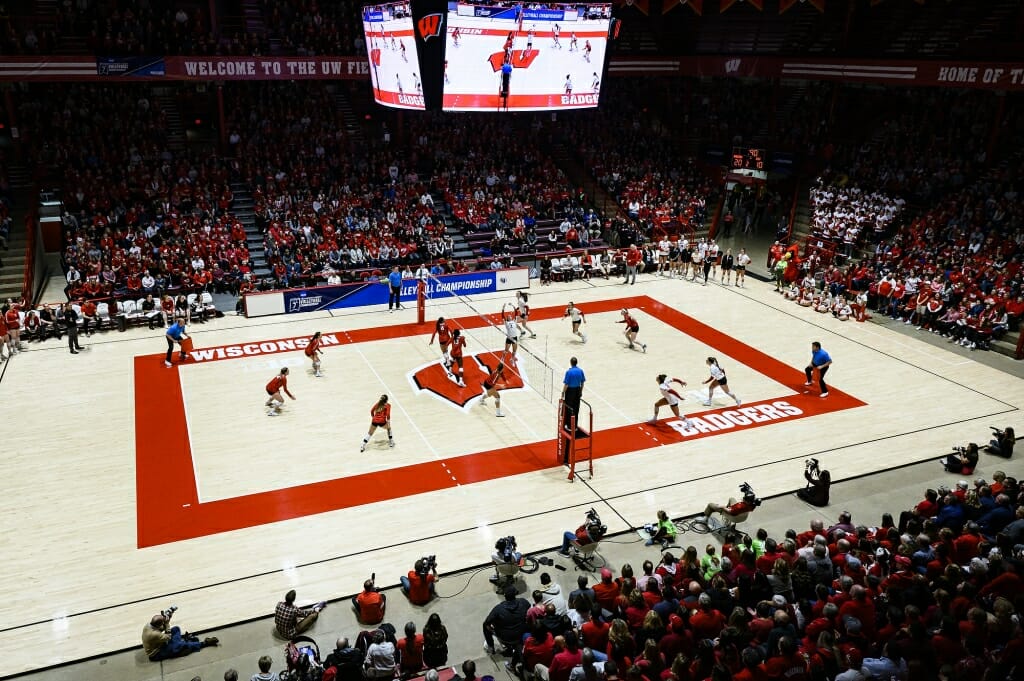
(167, 498)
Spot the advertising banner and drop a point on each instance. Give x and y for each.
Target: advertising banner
(267, 68)
(139, 67)
(376, 293)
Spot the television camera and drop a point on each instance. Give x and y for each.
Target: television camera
(595, 528)
(426, 565)
(750, 496)
(506, 548)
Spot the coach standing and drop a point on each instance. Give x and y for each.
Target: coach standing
(821, 361)
(572, 390)
(70, 318)
(395, 289)
(633, 258)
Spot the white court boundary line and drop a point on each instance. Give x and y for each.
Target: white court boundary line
(191, 449)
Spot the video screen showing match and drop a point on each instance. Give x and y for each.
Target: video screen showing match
(511, 56)
(392, 55)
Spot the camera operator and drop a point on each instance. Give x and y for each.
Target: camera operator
(505, 553)
(163, 643)
(418, 585)
(736, 508)
(963, 460)
(369, 604)
(590, 532)
(1003, 444)
(818, 483)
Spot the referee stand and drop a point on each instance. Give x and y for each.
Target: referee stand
(575, 437)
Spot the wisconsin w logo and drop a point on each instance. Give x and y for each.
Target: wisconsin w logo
(429, 26)
(733, 65)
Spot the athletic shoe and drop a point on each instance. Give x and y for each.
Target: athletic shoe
(318, 375)
(522, 333)
(391, 443)
(166, 364)
(706, 403)
(688, 423)
(533, 335)
(807, 383)
(584, 337)
(362, 447)
(631, 347)
(824, 394)
(652, 421)
(563, 553)
(460, 384)
(273, 413)
(499, 414)
(739, 402)
(489, 650)
(649, 542)
(211, 641)
(643, 347)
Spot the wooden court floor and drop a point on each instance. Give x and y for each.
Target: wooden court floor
(132, 487)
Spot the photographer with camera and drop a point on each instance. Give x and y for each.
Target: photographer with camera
(590, 532)
(818, 483)
(418, 585)
(506, 559)
(369, 604)
(1002, 445)
(163, 643)
(291, 620)
(962, 461)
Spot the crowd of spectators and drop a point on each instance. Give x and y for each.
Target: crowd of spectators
(846, 214)
(138, 219)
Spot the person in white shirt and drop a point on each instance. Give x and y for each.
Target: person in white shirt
(576, 317)
(742, 260)
(718, 380)
(669, 398)
(663, 247)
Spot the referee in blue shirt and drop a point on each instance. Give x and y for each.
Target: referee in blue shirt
(395, 288)
(572, 390)
(820, 361)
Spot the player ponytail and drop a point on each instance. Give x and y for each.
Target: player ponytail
(315, 336)
(524, 295)
(712, 362)
(284, 371)
(382, 401)
(456, 334)
(662, 377)
(438, 323)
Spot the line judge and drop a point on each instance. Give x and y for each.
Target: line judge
(572, 390)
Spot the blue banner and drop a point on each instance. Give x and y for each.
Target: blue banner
(373, 16)
(362, 294)
(543, 15)
(130, 66)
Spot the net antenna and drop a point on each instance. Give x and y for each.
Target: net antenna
(530, 362)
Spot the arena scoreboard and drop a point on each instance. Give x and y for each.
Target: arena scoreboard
(490, 55)
(748, 158)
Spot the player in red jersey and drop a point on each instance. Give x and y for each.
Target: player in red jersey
(13, 321)
(444, 339)
(586, 50)
(458, 343)
(274, 388)
(632, 328)
(313, 352)
(380, 417)
(456, 34)
(5, 339)
(491, 383)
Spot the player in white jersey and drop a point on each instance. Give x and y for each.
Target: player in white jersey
(568, 84)
(742, 260)
(717, 379)
(522, 302)
(416, 83)
(669, 398)
(572, 42)
(595, 85)
(697, 259)
(401, 48)
(711, 260)
(663, 247)
(577, 318)
(398, 80)
(554, 32)
(508, 319)
(529, 42)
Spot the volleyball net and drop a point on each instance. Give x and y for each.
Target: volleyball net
(531, 357)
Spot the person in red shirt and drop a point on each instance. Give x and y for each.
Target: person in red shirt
(380, 417)
(789, 664)
(706, 622)
(313, 352)
(418, 584)
(491, 383)
(458, 343)
(444, 339)
(606, 591)
(411, 651)
(633, 258)
(369, 604)
(274, 388)
(88, 315)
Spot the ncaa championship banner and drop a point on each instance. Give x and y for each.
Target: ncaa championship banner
(293, 301)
